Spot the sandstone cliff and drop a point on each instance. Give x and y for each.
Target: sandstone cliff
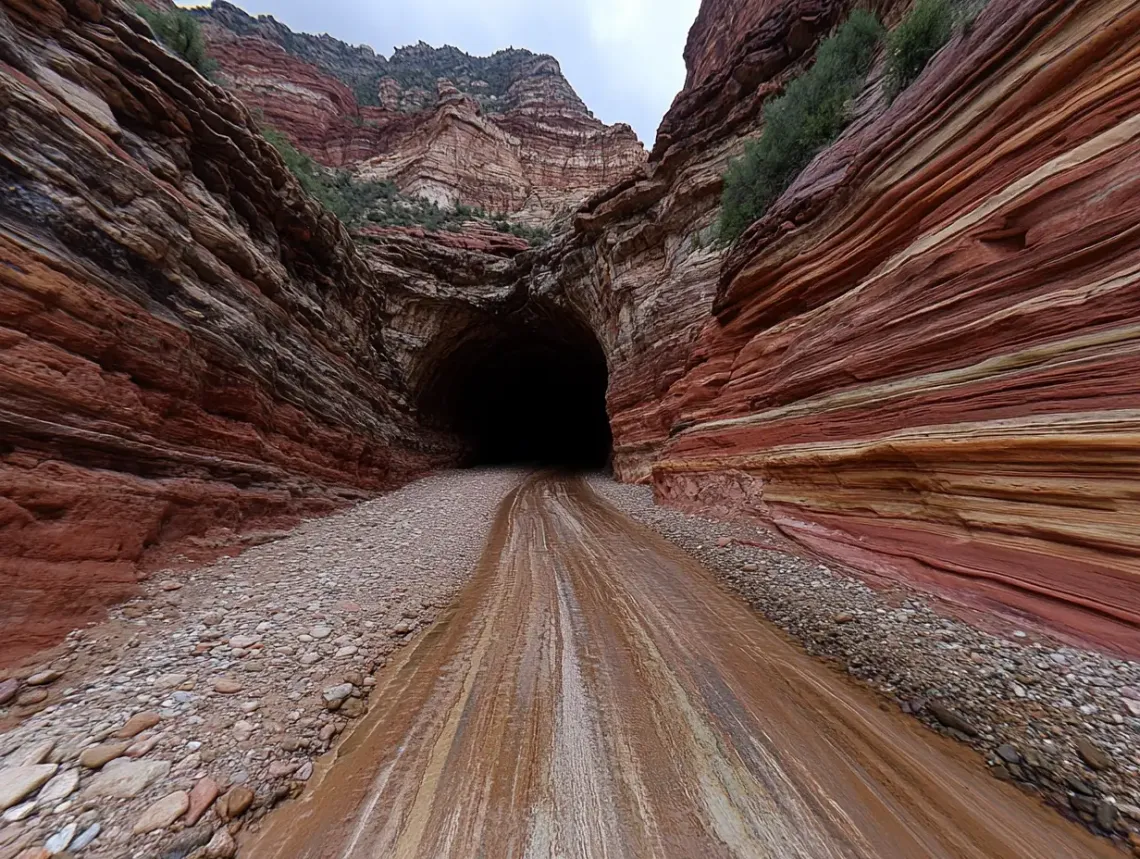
(921, 362)
(186, 339)
(506, 133)
(918, 362)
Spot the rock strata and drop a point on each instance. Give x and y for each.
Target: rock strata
(186, 339)
(918, 362)
(506, 133)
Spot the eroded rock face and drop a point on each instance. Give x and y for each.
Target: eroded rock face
(918, 363)
(187, 341)
(506, 133)
(921, 360)
(641, 264)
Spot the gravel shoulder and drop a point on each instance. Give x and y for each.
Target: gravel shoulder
(202, 703)
(1060, 721)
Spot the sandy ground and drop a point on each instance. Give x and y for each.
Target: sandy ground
(594, 692)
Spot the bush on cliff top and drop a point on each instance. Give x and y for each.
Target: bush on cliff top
(912, 44)
(809, 115)
(181, 32)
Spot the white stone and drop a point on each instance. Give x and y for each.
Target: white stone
(124, 778)
(17, 782)
(62, 839)
(86, 837)
(163, 812)
(169, 681)
(60, 787)
(19, 812)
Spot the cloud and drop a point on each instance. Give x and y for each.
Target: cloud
(622, 56)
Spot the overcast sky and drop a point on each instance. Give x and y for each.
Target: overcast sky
(622, 56)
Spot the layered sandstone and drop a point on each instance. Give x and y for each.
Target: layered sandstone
(918, 363)
(923, 361)
(642, 263)
(187, 341)
(505, 133)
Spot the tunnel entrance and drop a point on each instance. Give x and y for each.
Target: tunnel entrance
(526, 388)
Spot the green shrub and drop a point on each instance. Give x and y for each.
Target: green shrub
(336, 190)
(910, 46)
(181, 32)
(809, 115)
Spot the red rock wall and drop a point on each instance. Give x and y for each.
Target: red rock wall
(641, 265)
(186, 341)
(924, 360)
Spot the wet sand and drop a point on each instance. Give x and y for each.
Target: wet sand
(595, 693)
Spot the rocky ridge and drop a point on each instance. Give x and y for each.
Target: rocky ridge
(506, 133)
(917, 361)
(186, 338)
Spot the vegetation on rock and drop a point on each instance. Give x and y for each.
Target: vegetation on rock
(912, 44)
(180, 32)
(811, 113)
(356, 202)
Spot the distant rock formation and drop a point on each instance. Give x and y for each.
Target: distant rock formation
(506, 133)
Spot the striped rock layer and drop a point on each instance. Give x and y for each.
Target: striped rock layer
(922, 362)
(188, 343)
(925, 360)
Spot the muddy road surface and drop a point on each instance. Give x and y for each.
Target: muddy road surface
(595, 693)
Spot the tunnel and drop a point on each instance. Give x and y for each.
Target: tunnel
(526, 388)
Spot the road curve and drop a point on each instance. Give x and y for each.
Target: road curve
(595, 693)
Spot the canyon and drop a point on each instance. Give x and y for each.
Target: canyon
(917, 372)
(916, 363)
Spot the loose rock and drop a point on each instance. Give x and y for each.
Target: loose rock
(17, 782)
(221, 846)
(227, 686)
(1092, 756)
(8, 689)
(204, 793)
(61, 840)
(951, 718)
(163, 812)
(234, 803)
(59, 788)
(97, 756)
(137, 724)
(126, 778)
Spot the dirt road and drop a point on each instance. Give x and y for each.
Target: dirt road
(595, 693)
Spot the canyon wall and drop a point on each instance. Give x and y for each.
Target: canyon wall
(187, 341)
(506, 133)
(642, 264)
(923, 361)
(919, 363)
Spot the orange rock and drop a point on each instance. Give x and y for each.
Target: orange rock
(202, 796)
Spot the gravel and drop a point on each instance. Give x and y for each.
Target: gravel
(254, 665)
(242, 672)
(1060, 721)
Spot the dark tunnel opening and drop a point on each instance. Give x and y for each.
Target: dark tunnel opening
(529, 388)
